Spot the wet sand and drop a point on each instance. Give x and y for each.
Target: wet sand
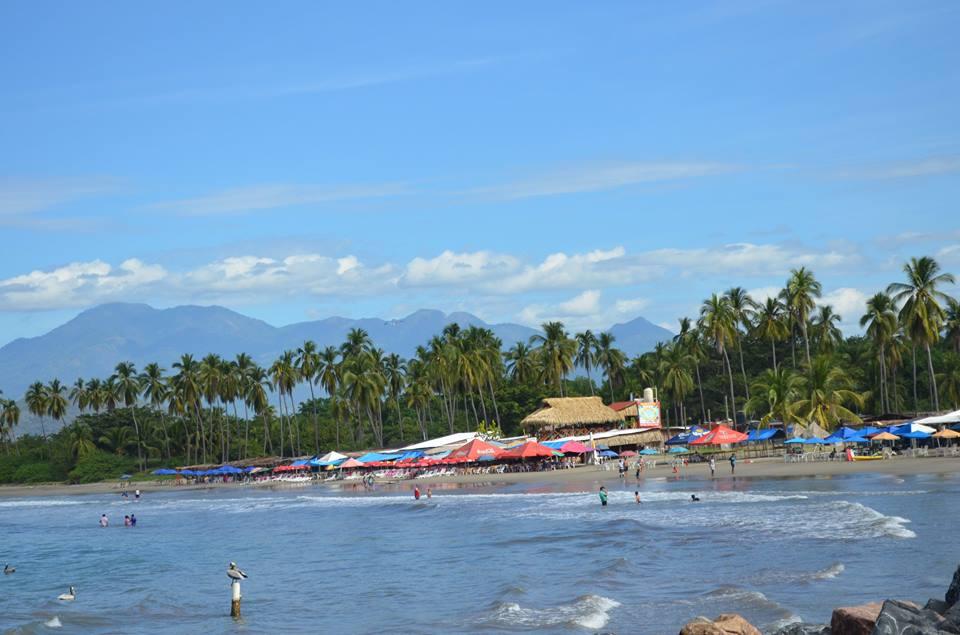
(746, 468)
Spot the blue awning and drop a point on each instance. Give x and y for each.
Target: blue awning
(764, 435)
(378, 456)
(164, 471)
(553, 445)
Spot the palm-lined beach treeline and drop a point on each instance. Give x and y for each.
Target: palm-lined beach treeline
(783, 358)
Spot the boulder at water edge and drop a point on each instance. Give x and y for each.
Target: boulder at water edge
(800, 628)
(906, 618)
(725, 624)
(953, 593)
(855, 620)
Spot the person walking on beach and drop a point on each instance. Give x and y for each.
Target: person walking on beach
(603, 496)
(416, 493)
(713, 467)
(103, 520)
(733, 463)
(639, 467)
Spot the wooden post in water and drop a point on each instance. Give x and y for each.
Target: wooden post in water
(235, 598)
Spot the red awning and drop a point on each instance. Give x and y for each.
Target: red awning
(529, 450)
(473, 450)
(720, 435)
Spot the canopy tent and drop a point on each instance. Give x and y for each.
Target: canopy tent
(229, 469)
(574, 447)
(796, 441)
(754, 435)
(455, 440)
(845, 435)
(331, 457)
(913, 426)
(370, 457)
(720, 435)
(915, 435)
(473, 450)
(950, 417)
(188, 473)
(649, 451)
(166, 471)
(529, 450)
(867, 431)
(686, 437)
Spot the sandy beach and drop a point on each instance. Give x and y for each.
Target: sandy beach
(748, 468)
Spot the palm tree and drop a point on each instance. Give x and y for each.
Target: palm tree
(56, 400)
(920, 310)
(776, 392)
(79, 395)
(742, 308)
(187, 392)
(951, 324)
(826, 390)
(521, 365)
(611, 359)
(826, 330)
(394, 370)
(881, 326)
(689, 339)
(949, 380)
(677, 381)
(129, 385)
(156, 390)
(771, 325)
(9, 419)
(717, 323)
(307, 364)
(36, 399)
(556, 352)
(81, 440)
(586, 353)
(94, 389)
(256, 398)
(799, 295)
(283, 374)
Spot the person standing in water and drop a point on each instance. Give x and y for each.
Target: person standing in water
(126, 521)
(416, 493)
(429, 492)
(713, 467)
(603, 496)
(733, 463)
(103, 520)
(636, 496)
(133, 520)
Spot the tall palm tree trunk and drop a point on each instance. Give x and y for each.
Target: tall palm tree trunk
(589, 379)
(703, 404)
(733, 399)
(316, 425)
(806, 339)
(493, 398)
(916, 403)
(773, 349)
(933, 380)
(746, 386)
(396, 402)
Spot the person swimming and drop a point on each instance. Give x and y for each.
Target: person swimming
(694, 498)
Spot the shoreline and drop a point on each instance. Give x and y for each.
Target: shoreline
(770, 468)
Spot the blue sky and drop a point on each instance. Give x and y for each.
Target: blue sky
(588, 162)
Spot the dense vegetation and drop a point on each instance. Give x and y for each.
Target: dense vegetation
(781, 359)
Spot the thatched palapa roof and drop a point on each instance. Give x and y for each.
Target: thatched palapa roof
(560, 412)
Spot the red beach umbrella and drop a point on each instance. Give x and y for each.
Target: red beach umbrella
(529, 450)
(473, 450)
(720, 435)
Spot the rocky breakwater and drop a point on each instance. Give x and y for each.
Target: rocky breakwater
(891, 617)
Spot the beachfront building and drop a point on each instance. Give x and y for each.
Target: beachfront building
(589, 419)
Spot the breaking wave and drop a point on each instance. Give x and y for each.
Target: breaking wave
(589, 611)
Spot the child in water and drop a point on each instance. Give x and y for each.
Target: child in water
(603, 496)
(636, 496)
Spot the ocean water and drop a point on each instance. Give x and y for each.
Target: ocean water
(489, 559)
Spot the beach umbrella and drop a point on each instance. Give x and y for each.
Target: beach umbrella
(166, 471)
(474, 450)
(915, 435)
(946, 433)
(720, 435)
(187, 473)
(813, 441)
(610, 454)
(649, 451)
(350, 463)
(628, 453)
(886, 436)
(529, 450)
(795, 440)
(678, 450)
(573, 447)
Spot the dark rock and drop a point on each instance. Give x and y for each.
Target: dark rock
(937, 605)
(952, 616)
(854, 620)
(953, 593)
(906, 618)
(800, 628)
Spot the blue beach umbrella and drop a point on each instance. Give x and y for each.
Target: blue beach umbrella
(187, 473)
(610, 454)
(164, 471)
(649, 451)
(796, 440)
(678, 450)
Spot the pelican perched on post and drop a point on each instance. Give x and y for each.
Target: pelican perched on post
(71, 595)
(7, 569)
(234, 573)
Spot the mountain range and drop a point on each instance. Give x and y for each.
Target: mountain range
(92, 343)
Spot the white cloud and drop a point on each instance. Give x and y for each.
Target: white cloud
(451, 268)
(932, 166)
(587, 303)
(27, 196)
(848, 303)
(949, 255)
(605, 177)
(760, 294)
(273, 196)
(585, 310)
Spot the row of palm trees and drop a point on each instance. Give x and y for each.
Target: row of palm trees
(453, 380)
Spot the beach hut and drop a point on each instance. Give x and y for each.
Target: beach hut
(567, 413)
